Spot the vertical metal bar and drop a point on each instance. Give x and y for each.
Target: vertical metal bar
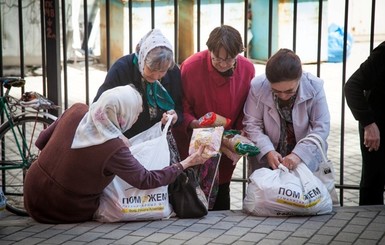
(320, 8)
(270, 40)
(130, 24)
(244, 162)
(65, 75)
(222, 12)
(152, 14)
(295, 13)
(86, 50)
(198, 25)
(346, 17)
(176, 33)
(21, 41)
(108, 34)
(372, 24)
(43, 48)
(52, 36)
(246, 25)
(244, 177)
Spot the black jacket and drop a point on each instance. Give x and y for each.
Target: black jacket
(124, 72)
(365, 89)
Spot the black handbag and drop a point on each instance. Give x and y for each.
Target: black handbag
(186, 196)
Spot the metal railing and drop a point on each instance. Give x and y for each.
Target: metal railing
(191, 17)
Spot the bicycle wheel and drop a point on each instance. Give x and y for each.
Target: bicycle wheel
(16, 157)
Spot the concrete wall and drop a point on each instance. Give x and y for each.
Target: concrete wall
(359, 17)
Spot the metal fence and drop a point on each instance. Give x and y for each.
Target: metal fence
(39, 38)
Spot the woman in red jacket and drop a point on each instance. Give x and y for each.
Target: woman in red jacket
(216, 80)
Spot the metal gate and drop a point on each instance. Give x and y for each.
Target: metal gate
(64, 48)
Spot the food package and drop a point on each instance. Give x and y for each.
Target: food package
(211, 119)
(211, 138)
(36, 101)
(236, 143)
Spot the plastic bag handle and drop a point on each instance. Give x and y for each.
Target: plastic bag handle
(304, 174)
(318, 141)
(283, 168)
(167, 125)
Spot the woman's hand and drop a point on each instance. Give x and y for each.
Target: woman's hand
(171, 113)
(291, 161)
(194, 159)
(274, 159)
(372, 137)
(194, 124)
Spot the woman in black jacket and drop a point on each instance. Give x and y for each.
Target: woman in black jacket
(153, 72)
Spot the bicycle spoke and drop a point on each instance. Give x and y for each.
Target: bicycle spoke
(16, 158)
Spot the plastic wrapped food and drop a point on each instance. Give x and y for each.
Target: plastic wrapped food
(236, 143)
(211, 138)
(211, 119)
(36, 101)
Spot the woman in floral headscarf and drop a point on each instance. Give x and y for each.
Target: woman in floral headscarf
(152, 70)
(82, 152)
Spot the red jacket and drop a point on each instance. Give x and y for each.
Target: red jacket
(205, 90)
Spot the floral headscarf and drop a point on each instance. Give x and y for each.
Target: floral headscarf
(109, 117)
(151, 40)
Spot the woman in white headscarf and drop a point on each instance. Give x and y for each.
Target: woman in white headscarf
(152, 70)
(82, 152)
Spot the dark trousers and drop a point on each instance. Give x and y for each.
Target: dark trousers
(222, 202)
(373, 172)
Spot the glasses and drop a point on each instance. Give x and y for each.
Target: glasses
(286, 92)
(220, 60)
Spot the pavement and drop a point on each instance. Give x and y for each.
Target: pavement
(348, 224)
(345, 225)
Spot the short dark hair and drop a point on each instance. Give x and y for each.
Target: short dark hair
(227, 37)
(284, 65)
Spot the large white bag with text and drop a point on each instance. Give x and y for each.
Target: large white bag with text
(122, 202)
(283, 192)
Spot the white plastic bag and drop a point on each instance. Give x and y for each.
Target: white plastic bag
(325, 172)
(281, 192)
(122, 202)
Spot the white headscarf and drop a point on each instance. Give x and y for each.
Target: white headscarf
(109, 117)
(151, 40)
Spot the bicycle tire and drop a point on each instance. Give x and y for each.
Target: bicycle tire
(12, 180)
